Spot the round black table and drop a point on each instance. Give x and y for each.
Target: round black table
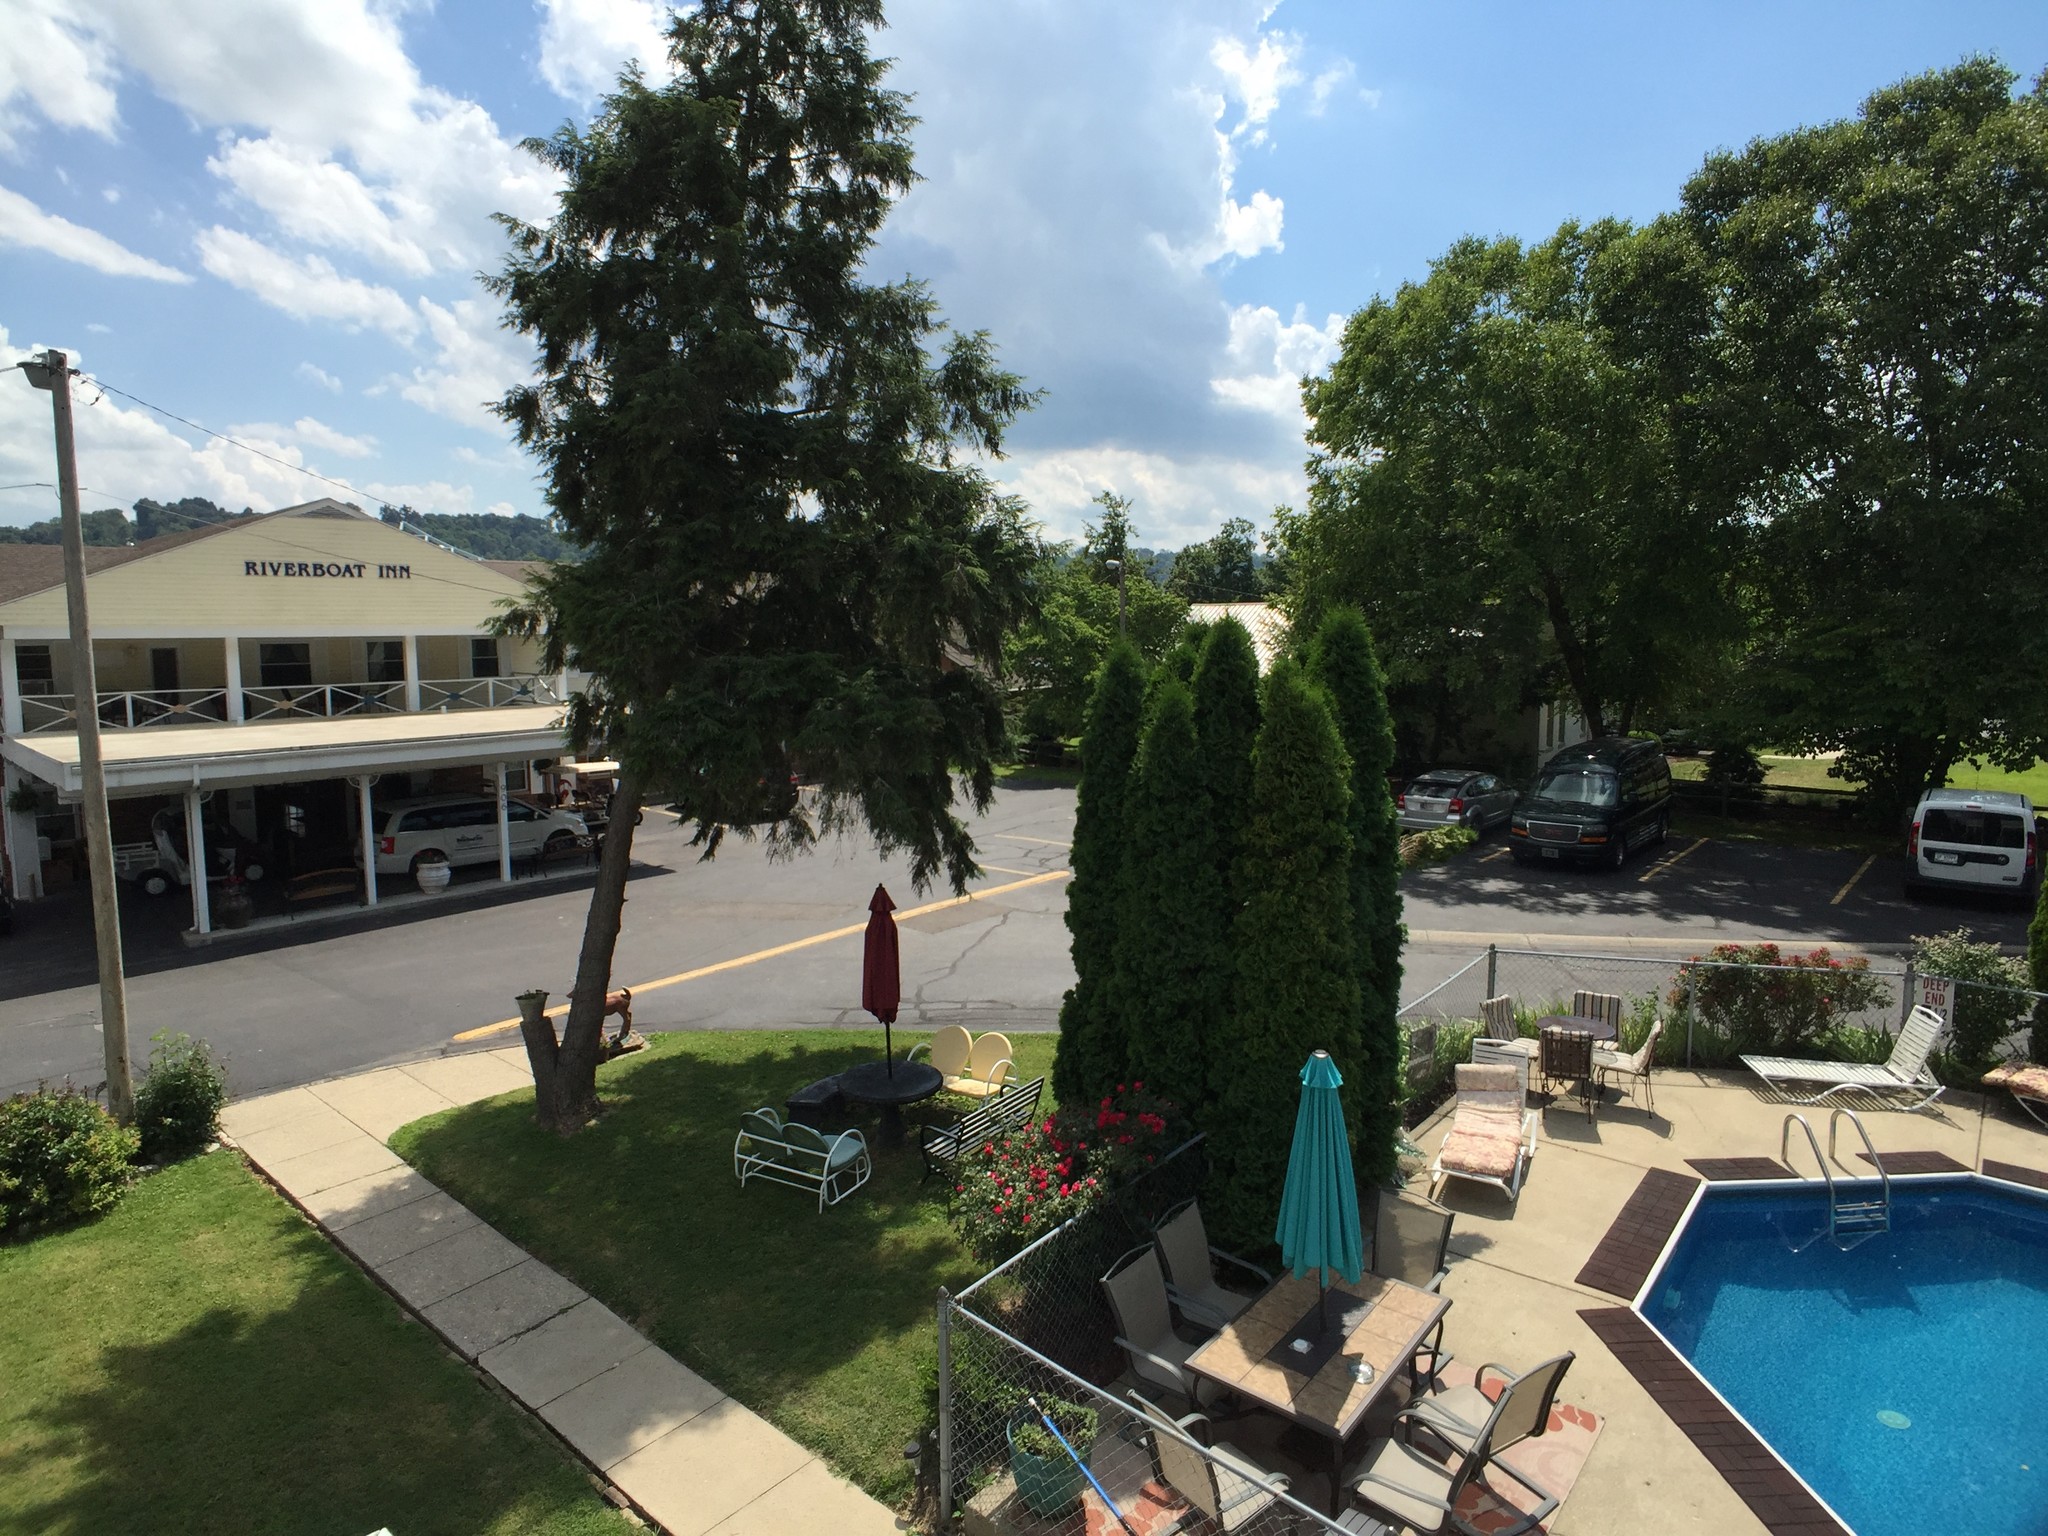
(890, 1086)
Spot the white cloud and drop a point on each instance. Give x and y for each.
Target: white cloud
(97, 329)
(502, 509)
(313, 373)
(474, 364)
(315, 433)
(22, 223)
(585, 43)
(424, 495)
(57, 63)
(313, 199)
(1178, 498)
(1257, 76)
(111, 194)
(1267, 359)
(308, 287)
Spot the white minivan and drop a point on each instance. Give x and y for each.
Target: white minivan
(463, 829)
(1974, 840)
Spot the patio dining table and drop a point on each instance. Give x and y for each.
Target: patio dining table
(1277, 1354)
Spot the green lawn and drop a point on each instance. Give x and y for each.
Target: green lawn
(1812, 773)
(202, 1360)
(822, 1323)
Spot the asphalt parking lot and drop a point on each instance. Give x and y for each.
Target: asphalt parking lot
(754, 941)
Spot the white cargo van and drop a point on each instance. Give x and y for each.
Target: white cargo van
(1973, 840)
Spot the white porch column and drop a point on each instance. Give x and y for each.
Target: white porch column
(195, 857)
(10, 690)
(18, 837)
(504, 829)
(362, 783)
(232, 654)
(412, 674)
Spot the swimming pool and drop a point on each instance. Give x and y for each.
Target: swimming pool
(1905, 1380)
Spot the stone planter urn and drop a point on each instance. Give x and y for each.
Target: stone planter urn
(232, 908)
(433, 878)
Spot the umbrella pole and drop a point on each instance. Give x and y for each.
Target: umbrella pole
(889, 1047)
(1323, 1279)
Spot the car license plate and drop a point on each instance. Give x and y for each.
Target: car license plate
(1945, 858)
(1550, 853)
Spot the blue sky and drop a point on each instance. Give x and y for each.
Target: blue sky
(267, 216)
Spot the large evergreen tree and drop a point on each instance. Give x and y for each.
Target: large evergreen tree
(1343, 663)
(1174, 969)
(1296, 987)
(2037, 971)
(762, 453)
(1226, 690)
(1091, 1053)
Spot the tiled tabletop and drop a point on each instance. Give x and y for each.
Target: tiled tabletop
(1329, 1402)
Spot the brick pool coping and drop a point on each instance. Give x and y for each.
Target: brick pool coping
(1623, 1259)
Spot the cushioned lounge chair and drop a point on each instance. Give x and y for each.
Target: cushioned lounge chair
(1226, 1485)
(1136, 1288)
(1905, 1074)
(1491, 1136)
(1488, 1052)
(1190, 1262)
(2027, 1082)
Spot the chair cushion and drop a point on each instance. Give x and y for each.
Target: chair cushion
(2026, 1078)
(1485, 1140)
(1419, 1485)
(845, 1150)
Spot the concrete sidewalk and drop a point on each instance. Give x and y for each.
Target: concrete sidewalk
(684, 1453)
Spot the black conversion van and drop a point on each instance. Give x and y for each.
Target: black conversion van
(1594, 804)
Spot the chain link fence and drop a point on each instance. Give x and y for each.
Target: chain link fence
(1038, 1327)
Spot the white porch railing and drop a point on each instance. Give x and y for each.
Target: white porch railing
(44, 714)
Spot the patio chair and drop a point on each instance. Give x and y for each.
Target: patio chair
(1604, 1006)
(987, 1070)
(1636, 1064)
(1567, 1057)
(787, 1152)
(1491, 1136)
(948, 1049)
(1411, 1240)
(1500, 1053)
(1190, 1261)
(1497, 1016)
(2027, 1082)
(1136, 1289)
(1905, 1073)
(1225, 1484)
(1418, 1489)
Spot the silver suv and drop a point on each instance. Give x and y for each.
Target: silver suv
(463, 829)
(1973, 840)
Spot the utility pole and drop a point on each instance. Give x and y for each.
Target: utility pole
(1122, 625)
(52, 371)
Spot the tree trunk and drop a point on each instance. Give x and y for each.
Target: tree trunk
(1573, 653)
(565, 1075)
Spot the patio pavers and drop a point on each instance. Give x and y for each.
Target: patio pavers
(1915, 1162)
(673, 1444)
(2013, 1173)
(1628, 1251)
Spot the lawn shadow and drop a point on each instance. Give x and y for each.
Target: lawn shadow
(330, 1413)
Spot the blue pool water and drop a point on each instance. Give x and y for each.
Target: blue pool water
(1907, 1379)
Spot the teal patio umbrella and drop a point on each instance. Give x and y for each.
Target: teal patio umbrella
(1318, 1227)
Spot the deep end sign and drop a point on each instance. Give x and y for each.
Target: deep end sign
(346, 569)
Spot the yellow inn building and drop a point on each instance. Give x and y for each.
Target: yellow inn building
(274, 678)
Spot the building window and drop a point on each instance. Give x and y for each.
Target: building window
(32, 667)
(285, 666)
(387, 661)
(483, 656)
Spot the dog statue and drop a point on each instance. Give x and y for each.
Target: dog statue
(621, 1003)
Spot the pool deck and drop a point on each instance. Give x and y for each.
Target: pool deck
(1520, 1273)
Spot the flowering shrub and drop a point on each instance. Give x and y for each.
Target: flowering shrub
(1763, 1001)
(1013, 1189)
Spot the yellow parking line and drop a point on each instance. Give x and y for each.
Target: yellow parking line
(1498, 853)
(559, 1009)
(1658, 869)
(1003, 869)
(1050, 842)
(1850, 885)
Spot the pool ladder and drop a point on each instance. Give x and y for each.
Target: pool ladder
(1852, 1218)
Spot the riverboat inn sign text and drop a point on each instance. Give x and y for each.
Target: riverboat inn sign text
(324, 568)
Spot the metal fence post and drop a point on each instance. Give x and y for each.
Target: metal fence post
(1492, 971)
(1692, 1008)
(1906, 995)
(945, 1515)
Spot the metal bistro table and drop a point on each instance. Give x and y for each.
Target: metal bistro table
(1381, 1322)
(1597, 1030)
(890, 1086)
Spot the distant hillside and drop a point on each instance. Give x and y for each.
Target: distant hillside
(101, 529)
(488, 535)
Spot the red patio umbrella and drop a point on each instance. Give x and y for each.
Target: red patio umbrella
(881, 971)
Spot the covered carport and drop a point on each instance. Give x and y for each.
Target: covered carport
(193, 761)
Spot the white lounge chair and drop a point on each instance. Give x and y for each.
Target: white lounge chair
(1905, 1073)
(1490, 1052)
(1492, 1137)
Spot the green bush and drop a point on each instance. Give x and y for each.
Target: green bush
(1755, 999)
(179, 1100)
(1734, 766)
(1077, 1421)
(2037, 971)
(1988, 1010)
(62, 1158)
(1436, 845)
